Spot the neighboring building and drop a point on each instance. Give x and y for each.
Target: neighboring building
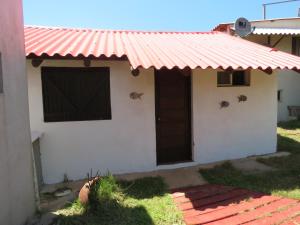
(16, 173)
(282, 34)
(133, 101)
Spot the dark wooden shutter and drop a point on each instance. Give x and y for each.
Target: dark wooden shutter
(296, 46)
(1, 75)
(223, 78)
(238, 77)
(76, 94)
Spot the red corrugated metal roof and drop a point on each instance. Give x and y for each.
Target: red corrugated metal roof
(157, 49)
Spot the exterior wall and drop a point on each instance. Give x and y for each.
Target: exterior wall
(278, 23)
(16, 174)
(288, 81)
(124, 144)
(274, 23)
(242, 129)
(127, 143)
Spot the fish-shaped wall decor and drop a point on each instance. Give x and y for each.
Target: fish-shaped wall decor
(135, 95)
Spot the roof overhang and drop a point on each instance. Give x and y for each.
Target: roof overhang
(158, 50)
(276, 31)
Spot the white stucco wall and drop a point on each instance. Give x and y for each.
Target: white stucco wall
(278, 23)
(16, 175)
(288, 81)
(124, 144)
(127, 143)
(242, 129)
(275, 23)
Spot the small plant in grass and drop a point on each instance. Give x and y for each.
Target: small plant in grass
(105, 191)
(144, 201)
(106, 188)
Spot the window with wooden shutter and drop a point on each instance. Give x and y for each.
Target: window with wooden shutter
(76, 94)
(234, 78)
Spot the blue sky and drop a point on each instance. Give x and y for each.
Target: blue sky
(177, 15)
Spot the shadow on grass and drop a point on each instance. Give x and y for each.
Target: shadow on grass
(290, 125)
(285, 181)
(111, 212)
(287, 144)
(288, 137)
(123, 203)
(144, 188)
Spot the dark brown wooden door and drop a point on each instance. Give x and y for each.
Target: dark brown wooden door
(173, 116)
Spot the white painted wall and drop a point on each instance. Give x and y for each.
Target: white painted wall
(16, 174)
(242, 129)
(127, 142)
(278, 23)
(124, 144)
(288, 81)
(274, 23)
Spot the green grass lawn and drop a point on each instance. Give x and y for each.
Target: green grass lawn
(143, 201)
(146, 201)
(285, 181)
(289, 136)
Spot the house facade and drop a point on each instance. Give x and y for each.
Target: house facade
(284, 35)
(16, 174)
(125, 101)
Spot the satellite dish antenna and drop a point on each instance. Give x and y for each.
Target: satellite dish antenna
(242, 27)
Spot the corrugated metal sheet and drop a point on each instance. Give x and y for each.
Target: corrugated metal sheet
(157, 49)
(276, 31)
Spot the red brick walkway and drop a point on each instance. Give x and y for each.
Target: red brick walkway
(216, 204)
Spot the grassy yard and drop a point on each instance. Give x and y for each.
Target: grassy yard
(289, 136)
(147, 202)
(285, 181)
(143, 201)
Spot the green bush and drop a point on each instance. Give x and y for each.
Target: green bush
(105, 192)
(106, 188)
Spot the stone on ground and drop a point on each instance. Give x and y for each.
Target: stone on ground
(251, 166)
(175, 178)
(277, 154)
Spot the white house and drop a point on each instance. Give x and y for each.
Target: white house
(16, 173)
(282, 34)
(133, 101)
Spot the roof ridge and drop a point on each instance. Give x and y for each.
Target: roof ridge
(119, 31)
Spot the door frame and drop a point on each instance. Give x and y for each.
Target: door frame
(187, 73)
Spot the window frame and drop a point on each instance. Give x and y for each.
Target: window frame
(247, 77)
(1, 75)
(104, 111)
(279, 95)
(295, 45)
(230, 79)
